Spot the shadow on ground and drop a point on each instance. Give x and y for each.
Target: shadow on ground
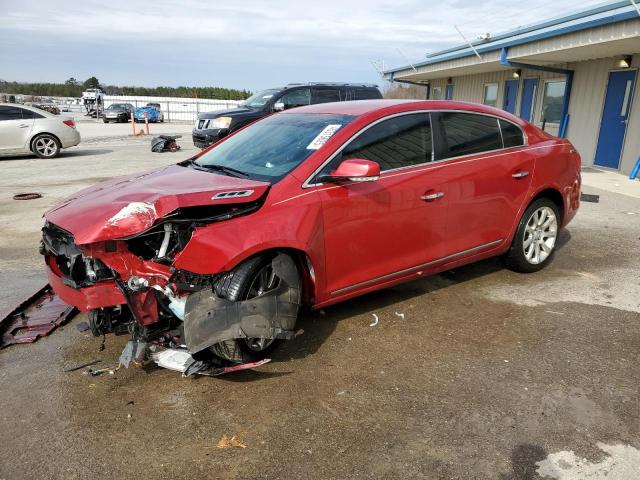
(64, 153)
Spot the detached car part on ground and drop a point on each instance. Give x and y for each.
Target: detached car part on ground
(25, 129)
(216, 255)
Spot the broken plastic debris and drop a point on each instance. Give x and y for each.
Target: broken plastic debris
(83, 326)
(27, 196)
(100, 371)
(172, 359)
(231, 442)
(587, 197)
(375, 320)
(182, 361)
(88, 364)
(134, 352)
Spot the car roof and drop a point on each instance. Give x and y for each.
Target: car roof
(44, 113)
(363, 107)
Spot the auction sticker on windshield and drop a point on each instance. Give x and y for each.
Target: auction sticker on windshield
(323, 136)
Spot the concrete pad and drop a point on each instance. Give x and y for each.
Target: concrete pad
(610, 181)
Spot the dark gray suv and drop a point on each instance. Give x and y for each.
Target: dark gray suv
(212, 126)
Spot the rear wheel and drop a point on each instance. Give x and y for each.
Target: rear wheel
(534, 244)
(45, 146)
(250, 279)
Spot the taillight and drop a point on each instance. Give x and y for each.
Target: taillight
(69, 123)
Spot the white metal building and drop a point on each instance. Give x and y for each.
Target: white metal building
(574, 75)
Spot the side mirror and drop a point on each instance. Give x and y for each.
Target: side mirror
(354, 170)
(278, 107)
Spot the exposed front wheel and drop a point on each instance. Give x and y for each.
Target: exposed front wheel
(535, 239)
(250, 279)
(45, 146)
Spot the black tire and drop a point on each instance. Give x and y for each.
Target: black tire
(105, 120)
(235, 286)
(516, 258)
(45, 146)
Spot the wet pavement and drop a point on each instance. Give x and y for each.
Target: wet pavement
(475, 373)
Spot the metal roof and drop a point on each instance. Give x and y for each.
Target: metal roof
(603, 14)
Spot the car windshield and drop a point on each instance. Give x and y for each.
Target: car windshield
(269, 149)
(260, 99)
(117, 106)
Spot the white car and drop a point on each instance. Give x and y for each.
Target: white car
(26, 129)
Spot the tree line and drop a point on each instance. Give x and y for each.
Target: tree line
(74, 88)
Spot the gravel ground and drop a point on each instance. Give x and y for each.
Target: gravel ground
(486, 373)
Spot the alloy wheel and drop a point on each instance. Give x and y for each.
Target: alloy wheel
(46, 146)
(540, 235)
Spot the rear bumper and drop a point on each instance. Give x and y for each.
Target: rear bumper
(100, 295)
(70, 138)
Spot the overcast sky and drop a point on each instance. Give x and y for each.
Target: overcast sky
(244, 43)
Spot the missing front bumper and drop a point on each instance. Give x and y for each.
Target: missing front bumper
(210, 319)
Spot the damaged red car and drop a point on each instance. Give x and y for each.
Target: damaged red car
(308, 207)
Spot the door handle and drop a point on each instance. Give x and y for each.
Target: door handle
(23, 126)
(430, 197)
(520, 174)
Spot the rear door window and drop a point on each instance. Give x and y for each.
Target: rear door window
(10, 113)
(511, 134)
(325, 95)
(399, 142)
(466, 134)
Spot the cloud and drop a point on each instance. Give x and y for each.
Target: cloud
(285, 39)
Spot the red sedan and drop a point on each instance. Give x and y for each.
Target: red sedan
(311, 206)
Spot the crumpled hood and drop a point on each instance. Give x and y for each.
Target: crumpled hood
(128, 205)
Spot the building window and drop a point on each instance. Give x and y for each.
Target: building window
(490, 94)
(436, 93)
(552, 101)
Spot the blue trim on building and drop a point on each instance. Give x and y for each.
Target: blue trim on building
(613, 12)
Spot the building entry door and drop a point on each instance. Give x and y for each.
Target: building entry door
(510, 95)
(448, 93)
(528, 102)
(615, 117)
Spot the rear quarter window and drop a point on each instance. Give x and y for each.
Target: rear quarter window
(28, 114)
(511, 134)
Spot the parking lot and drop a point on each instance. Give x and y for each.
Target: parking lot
(474, 373)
